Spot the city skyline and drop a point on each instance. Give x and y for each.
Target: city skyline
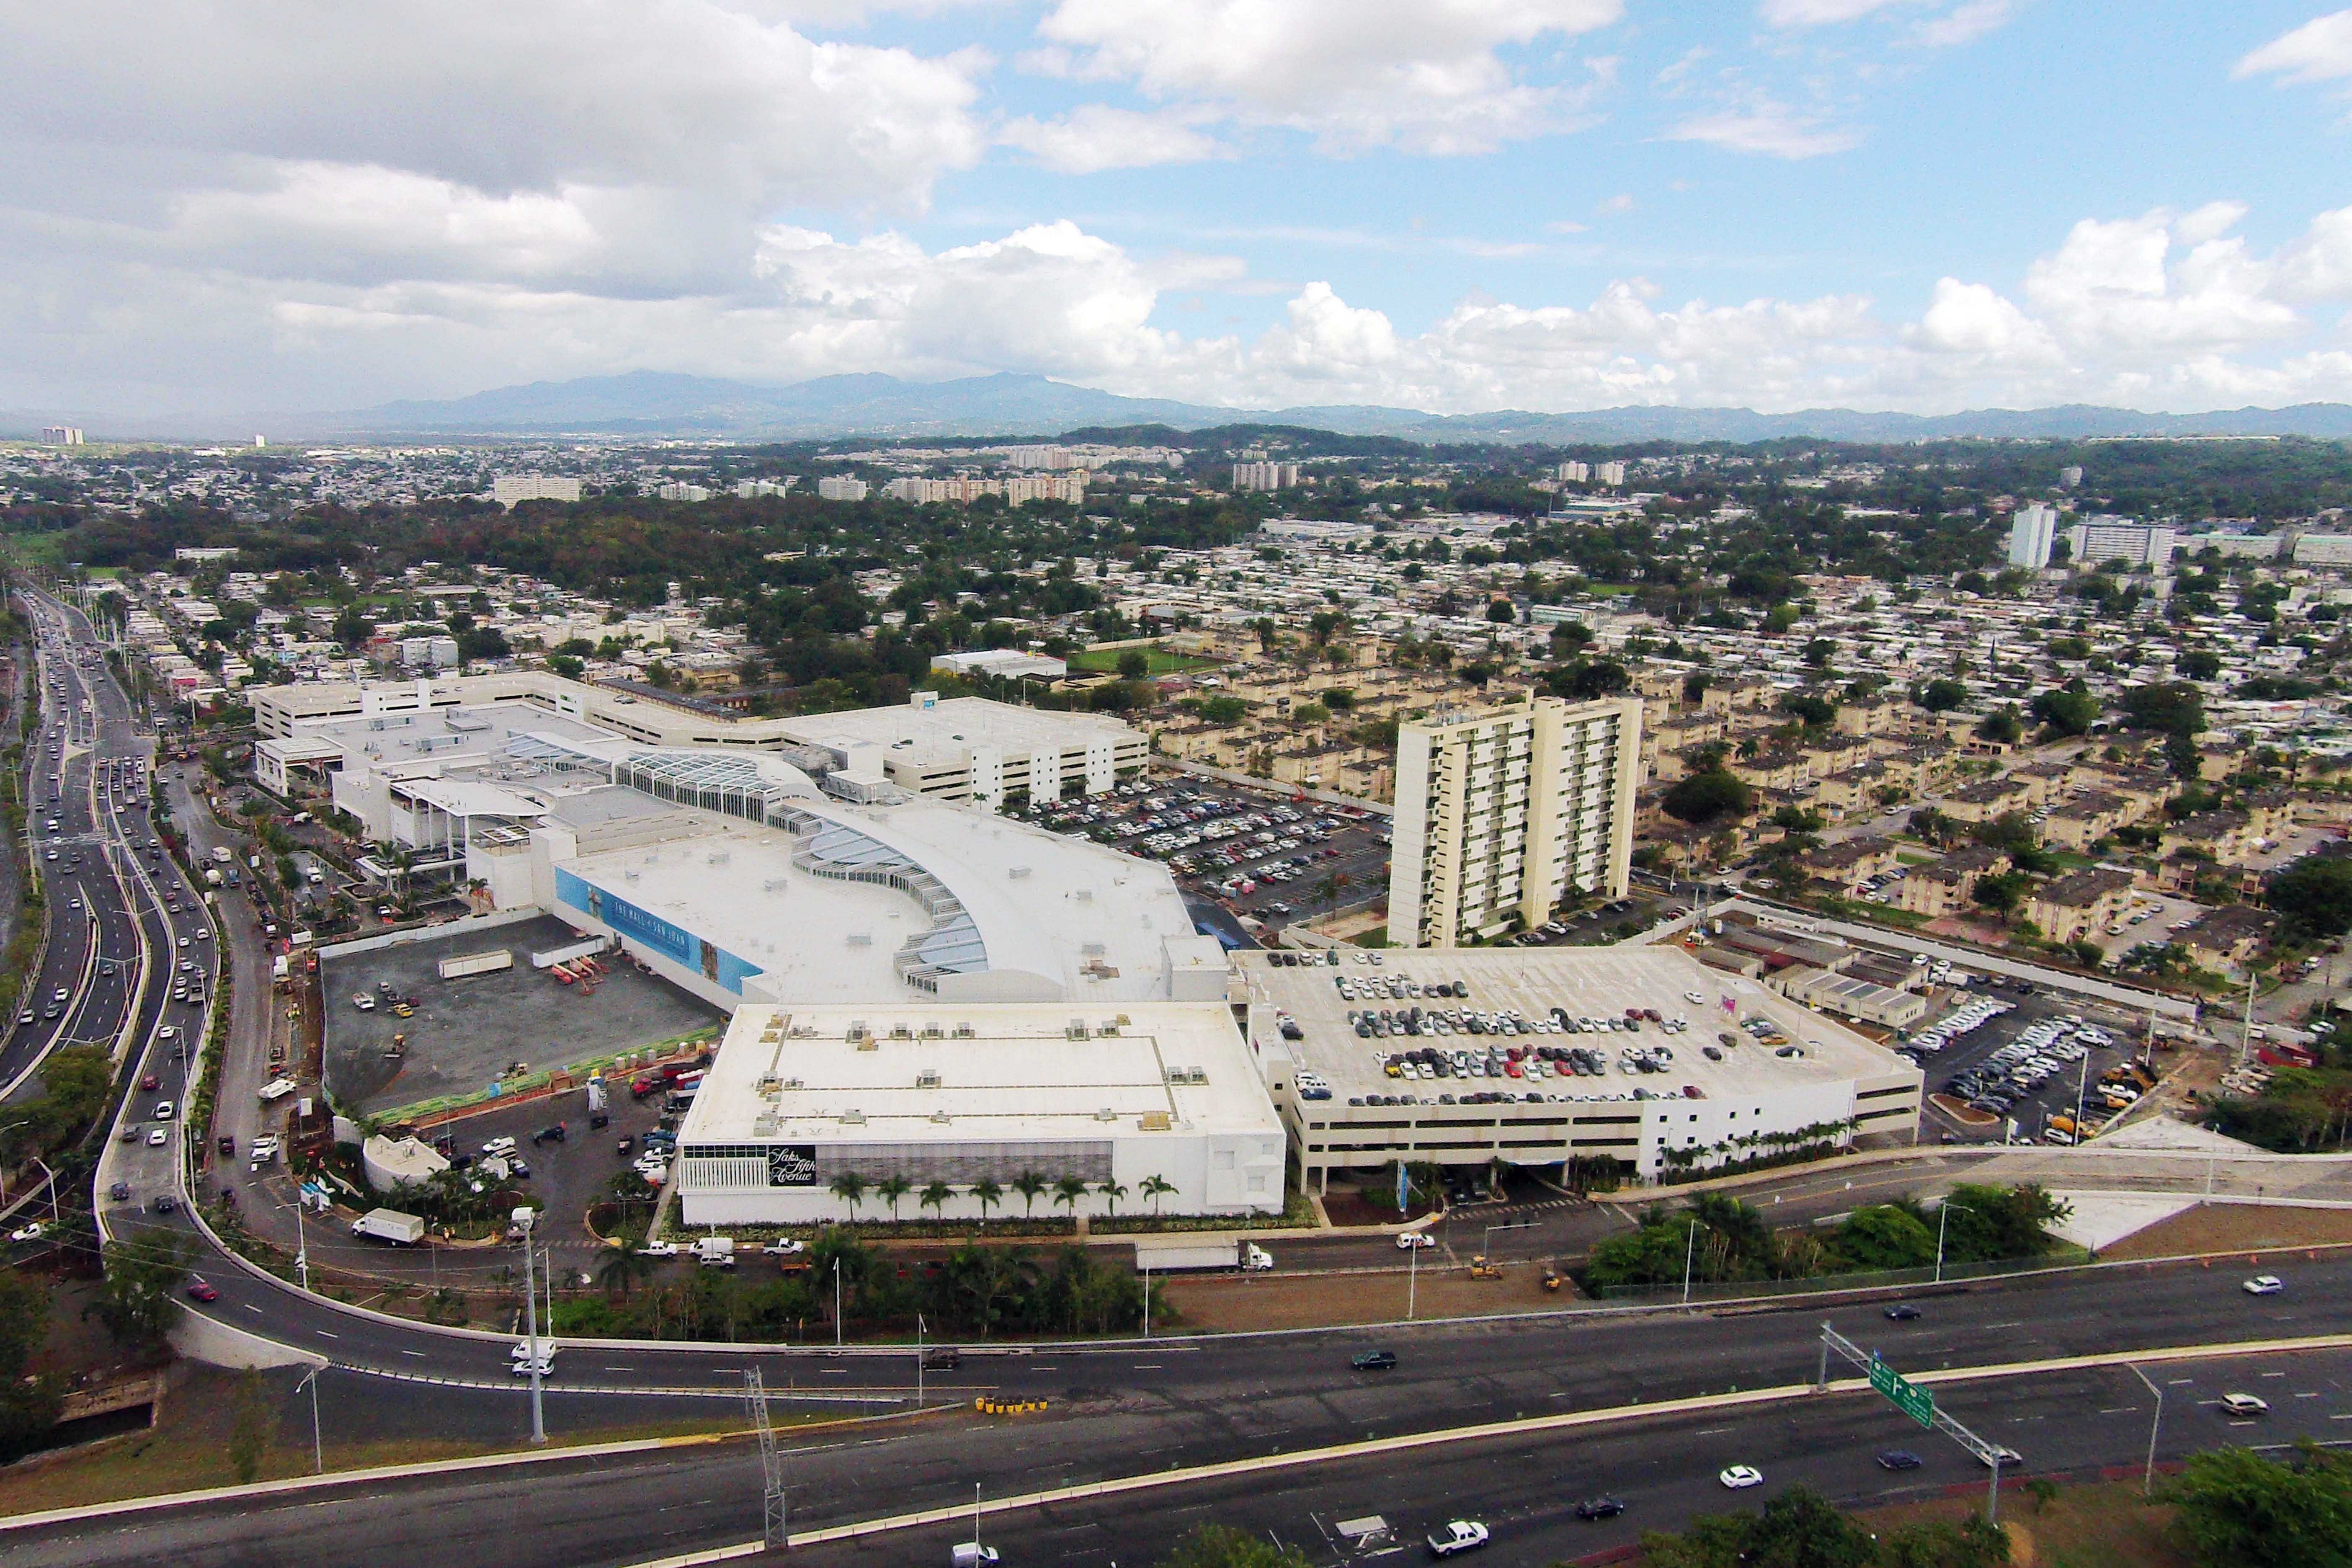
(1455, 205)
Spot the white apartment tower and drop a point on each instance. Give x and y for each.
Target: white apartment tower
(1264, 477)
(2105, 539)
(511, 489)
(2030, 532)
(1500, 812)
(1610, 473)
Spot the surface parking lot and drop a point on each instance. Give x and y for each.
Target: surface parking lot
(2030, 1107)
(1260, 854)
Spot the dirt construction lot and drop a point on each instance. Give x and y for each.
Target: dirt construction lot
(2233, 1227)
(1227, 1304)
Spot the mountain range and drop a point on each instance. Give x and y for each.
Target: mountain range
(654, 404)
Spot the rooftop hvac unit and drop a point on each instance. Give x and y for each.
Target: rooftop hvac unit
(628, 876)
(861, 939)
(856, 1029)
(1152, 1122)
(928, 1079)
(763, 1126)
(772, 885)
(1095, 948)
(853, 1118)
(931, 1031)
(718, 858)
(1075, 1029)
(940, 1117)
(1109, 1028)
(1018, 873)
(902, 1032)
(769, 1084)
(1106, 1114)
(965, 1032)
(1083, 895)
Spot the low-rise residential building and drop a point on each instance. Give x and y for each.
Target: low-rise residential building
(2088, 818)
(2080, 907)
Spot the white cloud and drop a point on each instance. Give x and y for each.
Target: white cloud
(1971, 318)
(1966, 23)
(2117, 288)
(1818, 13)
(1768, 128)
(2319, 50)
(1424, 75)
(1095, 137)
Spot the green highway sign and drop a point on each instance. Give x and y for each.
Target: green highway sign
(1918, 1402)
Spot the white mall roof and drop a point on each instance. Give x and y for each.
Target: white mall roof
(1017, 1076)
(946, 731)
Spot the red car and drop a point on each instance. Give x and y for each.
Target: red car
(200, 1291)
(150, 1081)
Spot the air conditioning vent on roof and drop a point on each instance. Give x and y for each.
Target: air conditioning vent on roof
(853, 1118)
(856, 1029)
(928, 1079)
(1075, 1029)
(1106, 1114)
(931, 1031)
(902, 1031)
(1152, 1122)
(1109, 1029)
(965, 1032)
(1018, 873)
(939, 1117)
(861, 939)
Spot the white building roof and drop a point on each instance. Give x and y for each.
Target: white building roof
(947, 730)
(1590, 981)
(999, 1072)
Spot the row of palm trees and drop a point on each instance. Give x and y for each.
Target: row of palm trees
(1029, 1185)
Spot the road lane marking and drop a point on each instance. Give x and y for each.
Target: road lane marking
(324, 1334)
(419, 1354)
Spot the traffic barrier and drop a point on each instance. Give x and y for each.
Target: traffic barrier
(988, 1406)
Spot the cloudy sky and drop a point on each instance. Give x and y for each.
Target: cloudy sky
(1452, 205)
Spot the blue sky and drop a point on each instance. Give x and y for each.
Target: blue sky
(1446, 203)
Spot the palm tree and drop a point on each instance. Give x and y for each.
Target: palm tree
(1112, 1189)
(1067, 1192)
(988, 1192)
(624, 1268)
(1031, 1186)
(935, 1197)
(850, 1188)
(1155, 1187)
(890, 1189)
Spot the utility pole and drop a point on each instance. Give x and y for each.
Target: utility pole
(1944, 1219)
(919, 1361)
(1690, 1251)
(1412, 1280)
(524, 1214)
(2148, 1475)
(317, 1449)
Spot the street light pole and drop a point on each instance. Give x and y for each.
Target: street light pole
(524, 1217)
(836, 1301)
(317, 1449)
(1944, 1219)
(1412, 1280)
(2148, 1475)
(1690, 1251)
(919, 1361)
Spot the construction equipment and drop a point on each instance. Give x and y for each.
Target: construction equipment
(1482, 1269)
(1551, 1278)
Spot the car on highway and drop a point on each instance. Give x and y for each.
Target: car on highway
(1408, 1241)
(120, 1191)
(1457, 1535)
(2244, 1405)
(1902, 1312)
(2006, 1458)
(658, 1249)
(2264, 1285)
(1600, 1508)
(1374, 1360)
(33, 1232)
(1739, 1478)
(163, 1111)
(554, 1132)
(27, 1017)
(149, 1081)
(157, 1138)
(1898, 1459)
(784, 1246)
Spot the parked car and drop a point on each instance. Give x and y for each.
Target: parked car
(2264, 1285)
(1902, 1312)
(1374, 1360)
(1457, 1535)
(1899, 1460)
(1410, 1240)
(1601, 1508)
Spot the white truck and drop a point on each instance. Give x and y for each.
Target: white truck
(1176, 1256)
(390, 1225)
(715, 1251)
(276, 1089)
(222, 857)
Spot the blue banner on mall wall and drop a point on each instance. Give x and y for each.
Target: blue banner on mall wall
(653, 934)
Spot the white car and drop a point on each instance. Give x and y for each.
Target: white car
(1412, 1240)
(2244, 1405)
(1739, 1478)
(787, 1247)
(1457, 1535)
(2264, 1285)
(157, 1139)
(497, 1148)
(658, 1249)
(27, 1232)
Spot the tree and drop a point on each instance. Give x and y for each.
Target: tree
(934, 1197)
(248, 1435)
(28, 1405)
(1940, 696)
(890, 1189)
(2000, 894)
(1886, 1235)
(1569, 638)
(988, 1195)
(1134, 664)
(1068, 1192)
(1820, 651)
(139, 1301)
(2236, 1508)
(1694, 687)
(1705, 797)
(1802, 1529)
(1031, 1186)
(1155, 1187)
(1815, 711)
(2071, 709)
(850, 1188)
(1112, 1189)
(622, 1269)
(2002, 727)
(1586, 679)
(2316, 893)
(1223, 1546)
(2198, 663)
(1501, 613)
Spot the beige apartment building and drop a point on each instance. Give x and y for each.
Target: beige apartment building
(1499, 813)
